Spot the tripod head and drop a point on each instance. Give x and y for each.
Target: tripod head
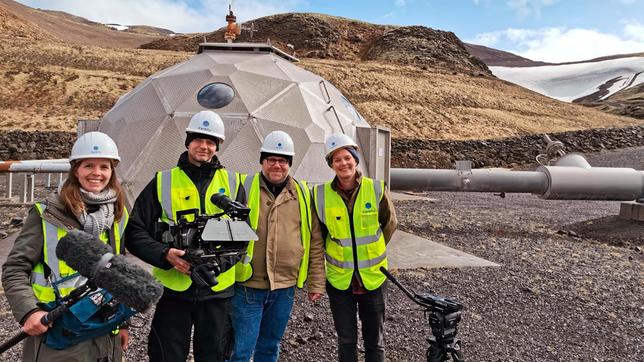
(443, 315)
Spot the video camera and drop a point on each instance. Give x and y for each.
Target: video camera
(213, 244)
(443, 315)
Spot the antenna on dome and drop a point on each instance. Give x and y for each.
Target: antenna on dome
(232, 29)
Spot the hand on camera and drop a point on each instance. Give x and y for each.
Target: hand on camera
(174, 257)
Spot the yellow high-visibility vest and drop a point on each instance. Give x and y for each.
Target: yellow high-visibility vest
(353, 242)
(244, 269)
(59, 269)
(176, 192)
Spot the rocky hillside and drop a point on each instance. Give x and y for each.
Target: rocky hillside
(19, 21)
(628, 102)
(330, 37)
(494, 57)
(439, 95)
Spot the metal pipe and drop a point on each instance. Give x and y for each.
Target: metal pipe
(9, 185)
(573, 160)
(478, 180)
(551, 182)
(595, 183)
(36, 166)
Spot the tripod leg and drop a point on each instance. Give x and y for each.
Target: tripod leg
(457, 354)
(436, 353)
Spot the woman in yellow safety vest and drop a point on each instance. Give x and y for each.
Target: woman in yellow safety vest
(90, 200)
(358, 221)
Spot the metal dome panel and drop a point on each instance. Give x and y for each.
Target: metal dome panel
(270, 94)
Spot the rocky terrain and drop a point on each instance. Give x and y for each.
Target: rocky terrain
(430, 87)
(324, 36)
(20, 21)
(509, 152)
(627, 102)
(494, 57)
(20, 145)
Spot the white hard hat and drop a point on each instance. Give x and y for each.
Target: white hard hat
(336, 141)
(279, 143)
(94, 145)
(208, 123)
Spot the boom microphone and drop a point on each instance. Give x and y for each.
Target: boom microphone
(232, 208)
(93, 259)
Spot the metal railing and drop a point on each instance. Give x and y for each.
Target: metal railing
(28, 169)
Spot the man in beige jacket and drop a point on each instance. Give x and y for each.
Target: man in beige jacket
(289, 252)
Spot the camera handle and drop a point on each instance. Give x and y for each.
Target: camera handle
(410, 293)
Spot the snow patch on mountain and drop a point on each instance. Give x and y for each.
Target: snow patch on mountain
(118, 27)
(569, 82)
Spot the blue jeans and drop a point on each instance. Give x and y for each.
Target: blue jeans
(260, 317)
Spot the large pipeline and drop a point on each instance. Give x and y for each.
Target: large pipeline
(572, 178)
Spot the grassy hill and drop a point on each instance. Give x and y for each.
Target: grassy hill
(433, 89)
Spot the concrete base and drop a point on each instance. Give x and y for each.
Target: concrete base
(408, 251)
(406, 196)
(631, 211)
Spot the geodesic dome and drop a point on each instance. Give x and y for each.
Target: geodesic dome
(255, 88)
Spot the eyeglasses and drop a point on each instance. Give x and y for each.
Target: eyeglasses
(272, 161)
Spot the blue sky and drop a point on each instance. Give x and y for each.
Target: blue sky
(548, 30)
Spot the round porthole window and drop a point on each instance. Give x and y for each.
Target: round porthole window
(215, 95)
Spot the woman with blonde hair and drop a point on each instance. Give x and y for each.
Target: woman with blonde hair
(90, 200)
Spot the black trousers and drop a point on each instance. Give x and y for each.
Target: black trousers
(169, 339)
(371, 308)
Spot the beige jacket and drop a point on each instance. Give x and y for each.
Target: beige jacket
(278, 251)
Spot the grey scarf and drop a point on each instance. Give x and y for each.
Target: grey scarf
(103, 218)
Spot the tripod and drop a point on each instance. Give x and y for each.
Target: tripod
(443, 316)
(444, 342)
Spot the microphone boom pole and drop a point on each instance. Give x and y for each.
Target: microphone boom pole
(66, 302)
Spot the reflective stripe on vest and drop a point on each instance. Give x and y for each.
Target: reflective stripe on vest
(223, 182)
(59, 269)
(244, 269)
(176, 192)
(361, 231)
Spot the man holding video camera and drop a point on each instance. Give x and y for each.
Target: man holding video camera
(184, 305)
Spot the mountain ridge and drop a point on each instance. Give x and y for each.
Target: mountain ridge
(46, 83)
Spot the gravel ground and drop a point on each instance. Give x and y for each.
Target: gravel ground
(564, 290)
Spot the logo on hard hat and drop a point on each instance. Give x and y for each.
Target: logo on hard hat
(96, 149)
(332, 143)
(279, 145)
(206, 123)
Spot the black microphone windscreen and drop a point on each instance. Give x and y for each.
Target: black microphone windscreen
(127, 282)
(81, 251)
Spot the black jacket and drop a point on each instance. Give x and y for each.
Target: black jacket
(143, 232)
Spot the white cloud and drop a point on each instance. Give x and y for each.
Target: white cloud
(559, 44)
(528, 8)
(488, 39)
(633, 30)
(176, 15)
